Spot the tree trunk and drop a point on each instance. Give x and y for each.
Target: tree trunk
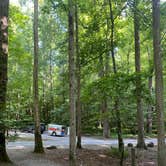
(119, 131)
(51, 82)
(128, 62)
(112, 36)
(106, 127)
(140, 116)
(106, 124)
(103, 105)
(159, 84)
(78, 72)
(38, 140)
(150, 107)
(4, 8)
(43, 100)
(116, 105)
(72, 153)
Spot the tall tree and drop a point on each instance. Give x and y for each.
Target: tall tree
(103, 104)
(140, 116)
(4, 10)
(38, 140)
(72, 154)
(150, 83)
(78, 74)
(106, 122)
(158, 83)
(116, 105)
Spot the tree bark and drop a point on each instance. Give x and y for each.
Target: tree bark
(103, 106)
(51, 82)
(78, 72)
(150, 107)
(158, 83)
(38, 140)
(72, 151)
(4, 9)
(106, 124)
(112, 36)
(140, 116)
(128, 62)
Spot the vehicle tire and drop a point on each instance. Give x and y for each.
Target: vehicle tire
(54, 133)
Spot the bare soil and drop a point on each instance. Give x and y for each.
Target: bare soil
(85, 157)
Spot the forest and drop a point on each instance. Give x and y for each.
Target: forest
(96, 66)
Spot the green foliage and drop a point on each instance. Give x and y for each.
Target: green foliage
(95, 51)
(116, 85)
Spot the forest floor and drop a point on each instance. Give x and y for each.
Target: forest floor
(86, 157)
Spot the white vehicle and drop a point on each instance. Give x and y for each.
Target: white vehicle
(56, 130)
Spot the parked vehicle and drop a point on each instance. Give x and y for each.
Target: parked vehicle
(57, 130)
(31, 128)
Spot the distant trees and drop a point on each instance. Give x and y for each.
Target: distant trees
(102, 29)
(4, 10)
